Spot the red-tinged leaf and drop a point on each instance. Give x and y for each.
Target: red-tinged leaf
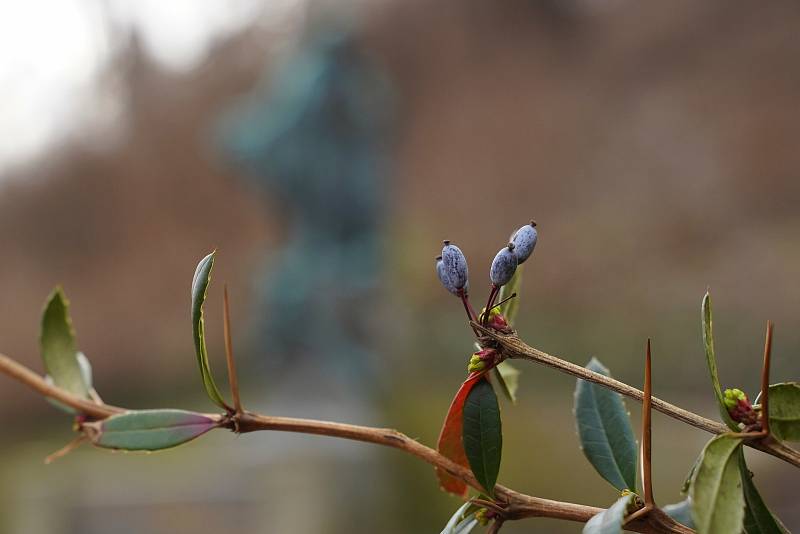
(451, 444)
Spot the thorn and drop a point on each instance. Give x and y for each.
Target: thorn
(232, 377)
(765, 380)
(502, 302)
(647, 411)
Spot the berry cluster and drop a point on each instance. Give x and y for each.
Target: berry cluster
(451, 267)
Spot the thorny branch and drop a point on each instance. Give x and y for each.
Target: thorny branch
(512, 347)
(516, 505)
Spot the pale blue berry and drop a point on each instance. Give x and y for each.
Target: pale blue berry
(503, 266)
(524, 241)
(443, 278)
(453, 270)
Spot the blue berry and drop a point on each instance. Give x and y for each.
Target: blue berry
(452, 268)
(503, 266)
(443, 278)
(524, 241)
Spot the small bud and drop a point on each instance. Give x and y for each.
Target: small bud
(731, 397)
(482, 516)
(498, 322)
(524, 241)
(487, 355)
(451, 267)
(739, 407)
(496, 319)
(635, 504)
(503, 266)
(476, 364)
(482, 359)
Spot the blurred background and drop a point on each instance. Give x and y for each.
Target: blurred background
(325, 149)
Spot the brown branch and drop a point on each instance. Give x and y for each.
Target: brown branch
(513, 347)
(518, 505)
(22, 374)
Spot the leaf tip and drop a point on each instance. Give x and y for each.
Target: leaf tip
(597, 366)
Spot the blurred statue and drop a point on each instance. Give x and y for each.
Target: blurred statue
(316, 143)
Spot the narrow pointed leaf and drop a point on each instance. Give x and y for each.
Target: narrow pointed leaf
(716, 489)
(148, 430)
(680, 512)
(711, 360)
(463, 521)
(509, 309)
(466, 526)
(508, 379)
(455, 518)
(450, 442)
(610, 521)
(604, 430)
(784, 411)
(757, 517)
(202, 276)
(483, 434)
(58, 350)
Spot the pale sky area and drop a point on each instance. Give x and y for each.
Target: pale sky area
(51, 52)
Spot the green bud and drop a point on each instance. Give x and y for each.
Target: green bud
(480, 515)
(476, 363)
(732, 397)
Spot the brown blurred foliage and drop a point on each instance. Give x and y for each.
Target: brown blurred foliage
(661, 133)
(653, 142)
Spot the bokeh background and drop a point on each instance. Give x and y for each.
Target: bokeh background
(325, 149)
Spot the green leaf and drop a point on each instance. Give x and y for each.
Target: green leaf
(680, 512)
(716, 493)
(509, 309)
(202, 276)
(451, 437)
(463, 521)
(604, 430)
(711, 360)
(86, 373)
(610, 521)
(688, 481)
(58, 350)
(466, 526)
(508, 378)
(757, 517)
(483, 434)
(784, 411)
(148, 430)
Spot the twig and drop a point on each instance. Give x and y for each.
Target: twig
(519, 504)
(22, 374)
(513, 347)
(66, 449)
(232, 377)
